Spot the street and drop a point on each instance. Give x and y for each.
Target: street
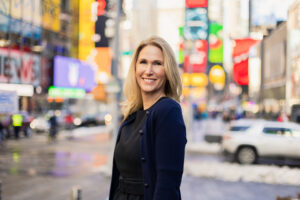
(34, 168)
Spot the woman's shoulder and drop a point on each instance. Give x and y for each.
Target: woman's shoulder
(165, 104)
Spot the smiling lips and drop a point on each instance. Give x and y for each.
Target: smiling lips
(149, 80)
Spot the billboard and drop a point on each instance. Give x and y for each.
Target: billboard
(19, 67)
(73, 73)
(240, 56)
(196, 62)
(86, 29)
(196, 24)
(215, 54)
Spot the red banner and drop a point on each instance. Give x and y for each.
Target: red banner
(196, 3)
(240, 57)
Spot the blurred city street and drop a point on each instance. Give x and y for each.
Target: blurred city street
(36, 168)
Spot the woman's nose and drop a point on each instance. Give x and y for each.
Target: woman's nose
(149, 69)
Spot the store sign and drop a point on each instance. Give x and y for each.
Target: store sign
(196, 3)
(196, 24)
(18, 67)
(73, 73)
(20, 89)
(58, 92)
(8, 102)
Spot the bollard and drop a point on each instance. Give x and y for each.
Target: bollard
(76, 193)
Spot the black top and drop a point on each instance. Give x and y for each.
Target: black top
(127, 152)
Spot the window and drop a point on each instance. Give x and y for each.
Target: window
(239, 128)
(273, 130)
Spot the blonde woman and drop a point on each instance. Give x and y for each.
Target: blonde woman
(149, 153)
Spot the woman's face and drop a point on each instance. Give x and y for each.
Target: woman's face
(150, 72)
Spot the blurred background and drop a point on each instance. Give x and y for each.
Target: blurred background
(63, 64)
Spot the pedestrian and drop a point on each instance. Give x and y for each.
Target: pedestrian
(17, 122)
(149, 152)
(53, 126)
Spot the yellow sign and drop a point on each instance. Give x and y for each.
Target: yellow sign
(51, 15)
(186, 79)
(199, 79)
(217, 74)
(86, 29)
(194, 79)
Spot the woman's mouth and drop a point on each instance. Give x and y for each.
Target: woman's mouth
(148, 80)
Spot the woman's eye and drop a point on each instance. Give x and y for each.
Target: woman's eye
(157, 63)
(143, 62)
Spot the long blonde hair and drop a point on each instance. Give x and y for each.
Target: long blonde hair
(131, 89)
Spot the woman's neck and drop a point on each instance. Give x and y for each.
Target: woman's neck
(149, 100)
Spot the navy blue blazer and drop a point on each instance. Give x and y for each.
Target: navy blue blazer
(163, 139)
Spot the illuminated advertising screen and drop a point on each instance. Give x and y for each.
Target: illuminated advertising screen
(73, 73)
(20, 68)
(197, 61)
(215, 54)
(86, 29)
(196, 24)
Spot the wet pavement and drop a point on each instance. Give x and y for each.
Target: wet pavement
(37, 169)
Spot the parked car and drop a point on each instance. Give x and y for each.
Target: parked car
(247, 140)
(99, 119)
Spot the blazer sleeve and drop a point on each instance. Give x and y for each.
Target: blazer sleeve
(170, 143)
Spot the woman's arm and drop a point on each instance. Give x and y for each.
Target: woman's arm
(170, 143)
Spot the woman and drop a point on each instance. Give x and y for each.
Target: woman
(149, 153)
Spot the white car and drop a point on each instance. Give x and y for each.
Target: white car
(247, 140)
(40, 124)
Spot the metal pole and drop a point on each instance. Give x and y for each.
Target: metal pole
(115, 71)
(250, 16)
